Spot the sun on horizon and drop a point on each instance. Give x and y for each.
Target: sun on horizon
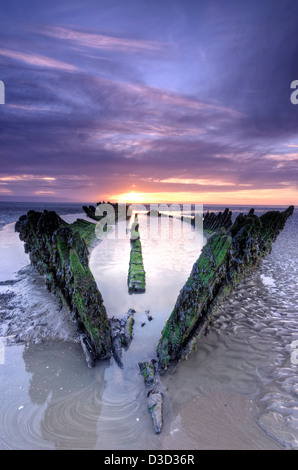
(287, 196)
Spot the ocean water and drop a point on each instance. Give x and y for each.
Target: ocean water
(11, 211)
(238, 390)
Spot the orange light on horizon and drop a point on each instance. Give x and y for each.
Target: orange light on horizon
(284, 196)
(132, 197)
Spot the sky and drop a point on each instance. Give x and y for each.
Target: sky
(149, 101)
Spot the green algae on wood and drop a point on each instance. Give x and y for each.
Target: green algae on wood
(86, 230)
(136, 274)
(60, 252)
(224, 261)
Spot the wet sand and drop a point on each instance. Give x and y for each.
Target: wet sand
(218, 421)
(237, 391)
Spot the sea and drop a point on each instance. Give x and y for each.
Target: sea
(237, 390)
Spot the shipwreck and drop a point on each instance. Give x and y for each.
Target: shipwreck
(60, 251)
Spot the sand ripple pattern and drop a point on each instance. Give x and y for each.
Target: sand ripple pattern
(265, 311)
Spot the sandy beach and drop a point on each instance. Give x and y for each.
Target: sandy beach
(220, 398)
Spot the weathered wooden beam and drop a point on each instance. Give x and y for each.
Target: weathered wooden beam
(224, 261)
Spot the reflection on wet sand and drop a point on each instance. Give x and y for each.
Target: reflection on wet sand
(50, 399)
(72, 394)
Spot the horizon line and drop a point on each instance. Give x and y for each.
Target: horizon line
(140, 203)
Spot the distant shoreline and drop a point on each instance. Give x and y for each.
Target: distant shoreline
(53, 202)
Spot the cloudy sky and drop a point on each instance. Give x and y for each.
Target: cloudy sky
(160, 100)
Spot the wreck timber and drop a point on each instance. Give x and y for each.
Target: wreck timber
(59, 251)
(213, 221)
(122, 334)
(154, 396)
(225, 259)
(91, 212)
(136, 279)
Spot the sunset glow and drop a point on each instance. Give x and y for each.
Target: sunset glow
(246, 197)
(130, 197)
(103, 107)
